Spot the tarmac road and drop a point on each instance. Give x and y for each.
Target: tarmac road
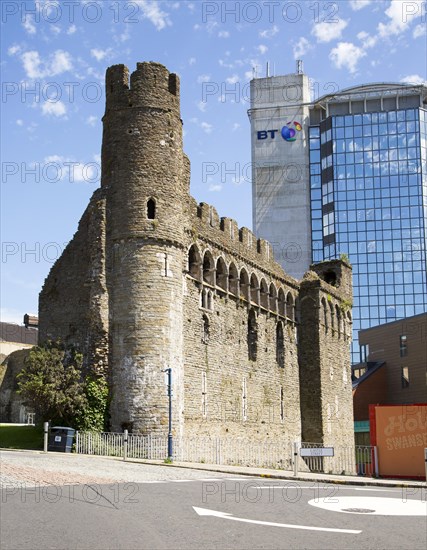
(141, 506)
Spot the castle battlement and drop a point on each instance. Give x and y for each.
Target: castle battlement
(151, 85)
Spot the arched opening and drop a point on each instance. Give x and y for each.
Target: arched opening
(208, 269)
(330, 278)
(264, 294)
(280, 345)
(151, 209)
(194, 262)
(244, 285)
(325, 315)
(338, 320)
(252, 336)
(290, 310)
(281, 303)
(233, 280)
(221, 274)
(332, 314)
(254, 290)
(273, 298)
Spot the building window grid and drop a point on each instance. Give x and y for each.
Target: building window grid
(356, 203)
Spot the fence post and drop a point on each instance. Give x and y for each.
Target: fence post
(376, 461)
(77, 442)
(125, 444)
(295, 458)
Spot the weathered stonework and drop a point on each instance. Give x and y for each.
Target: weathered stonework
(153, 280)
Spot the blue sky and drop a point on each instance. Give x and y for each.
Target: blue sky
(54, 56)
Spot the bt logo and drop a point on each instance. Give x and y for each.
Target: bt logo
(288, 132)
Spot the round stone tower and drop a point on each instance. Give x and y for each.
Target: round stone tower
(145, 175)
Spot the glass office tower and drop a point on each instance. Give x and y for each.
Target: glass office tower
(368, 180)
(364, 152)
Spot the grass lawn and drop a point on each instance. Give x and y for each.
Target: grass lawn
(21, 437)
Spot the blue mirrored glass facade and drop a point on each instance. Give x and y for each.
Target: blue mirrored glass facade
(368, 181)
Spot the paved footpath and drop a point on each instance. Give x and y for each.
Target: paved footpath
(69, 468)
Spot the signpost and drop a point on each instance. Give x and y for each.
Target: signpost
(317, 451)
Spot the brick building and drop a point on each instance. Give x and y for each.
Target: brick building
(153, 280)
(393, 367)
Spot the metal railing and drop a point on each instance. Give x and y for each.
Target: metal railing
(357, 460)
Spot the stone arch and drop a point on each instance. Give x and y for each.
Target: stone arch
(273, 297)
(221, 274)
(194, 262)
(290, 309)
(280, 345)
(263, 294)
(254, 289)
(338, 320)
(208, 268)
(252, 336)
(233, 279)
(281, 302)
(325, 315)
(332, 316)
(244, 284)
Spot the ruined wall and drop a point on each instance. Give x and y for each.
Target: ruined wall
(73, 304)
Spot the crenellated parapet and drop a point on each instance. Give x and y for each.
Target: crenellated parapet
(151, 85)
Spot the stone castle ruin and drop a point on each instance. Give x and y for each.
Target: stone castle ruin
(152, 280)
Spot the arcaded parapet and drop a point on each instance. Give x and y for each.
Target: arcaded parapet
(73, 303)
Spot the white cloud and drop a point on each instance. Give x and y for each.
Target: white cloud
(206, 127)
(99, 54)
(232, 79)
(269, 33)
(20, 122)
(192, 61)
(92, 120)
(223, 34)
(401, 14)
(262, 48)
(235, 127)
(301, 47)
(420, 30)
(72, 29)
(327, 31)
(28, 24)
(64, 168)
(14, 49)
(357, 5)
(203, 78)
(367, 40)
(215, 187)
(150, 10)
(58, 62)
(56, 108)
(346, 55)
(55, 29)
(201, 105)
(414, 79)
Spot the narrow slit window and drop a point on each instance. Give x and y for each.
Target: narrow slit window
(282, 405)
(244, 401)
(151, 209)
(204, 396)
(405, 377)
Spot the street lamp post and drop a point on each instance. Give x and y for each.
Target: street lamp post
(169, 373)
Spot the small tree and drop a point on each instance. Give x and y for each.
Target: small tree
(51, 383)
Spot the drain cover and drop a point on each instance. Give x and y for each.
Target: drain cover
(358, 510)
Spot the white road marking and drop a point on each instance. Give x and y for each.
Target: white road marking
(377, 506)
(225, 515)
